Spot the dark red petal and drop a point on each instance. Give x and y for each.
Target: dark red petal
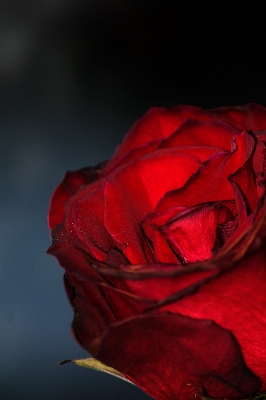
(169, 355)
(241, 206)
(67, 251)
(261, 135)
(121, 219)
(91, 316)
(192, 235)
(88, 290)
(156, 287)
(85, 220)
(73, 181)
(251, 117)
(259, 158)
(245, 179)
(236, 301)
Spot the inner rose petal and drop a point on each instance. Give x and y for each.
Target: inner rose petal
(108, 216)
(193, 234)
(211, 182)
(133, 192)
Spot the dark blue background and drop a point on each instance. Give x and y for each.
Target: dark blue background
(74, 76)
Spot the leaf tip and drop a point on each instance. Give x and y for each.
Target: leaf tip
(64, 362)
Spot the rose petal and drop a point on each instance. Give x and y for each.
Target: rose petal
(67, 250)
(72, 182)
(193, 235)
(261, 135)
(132, 154)
(102, 216)
(237, 302)
(259, 158)
(160, 123)
(157, 123)
(201, 133)
(218, 167)
(169, 355)
(241, 206)
(250, 117)
(202, 153)
(145, 181)
(85, 220)
(180, 232)
(91, 317)
(245, 179)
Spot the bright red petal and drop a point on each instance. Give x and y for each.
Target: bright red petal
(211, 183)
(157, 123)
(201, 133)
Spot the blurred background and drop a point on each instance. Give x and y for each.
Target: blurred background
(74, 77)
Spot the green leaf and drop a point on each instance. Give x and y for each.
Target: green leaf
(98, 366)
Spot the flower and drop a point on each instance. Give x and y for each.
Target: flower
(164, 253)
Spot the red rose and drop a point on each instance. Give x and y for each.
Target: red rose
(164, 253)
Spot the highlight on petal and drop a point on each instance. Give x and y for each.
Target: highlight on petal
(219, 167)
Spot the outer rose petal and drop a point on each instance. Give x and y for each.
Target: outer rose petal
(72, 183)
(237, 302)
(201, 133)
(91, 317)
(157, 123)
(169, 355)
(250, 117)
(192, 134)
(160, 123)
